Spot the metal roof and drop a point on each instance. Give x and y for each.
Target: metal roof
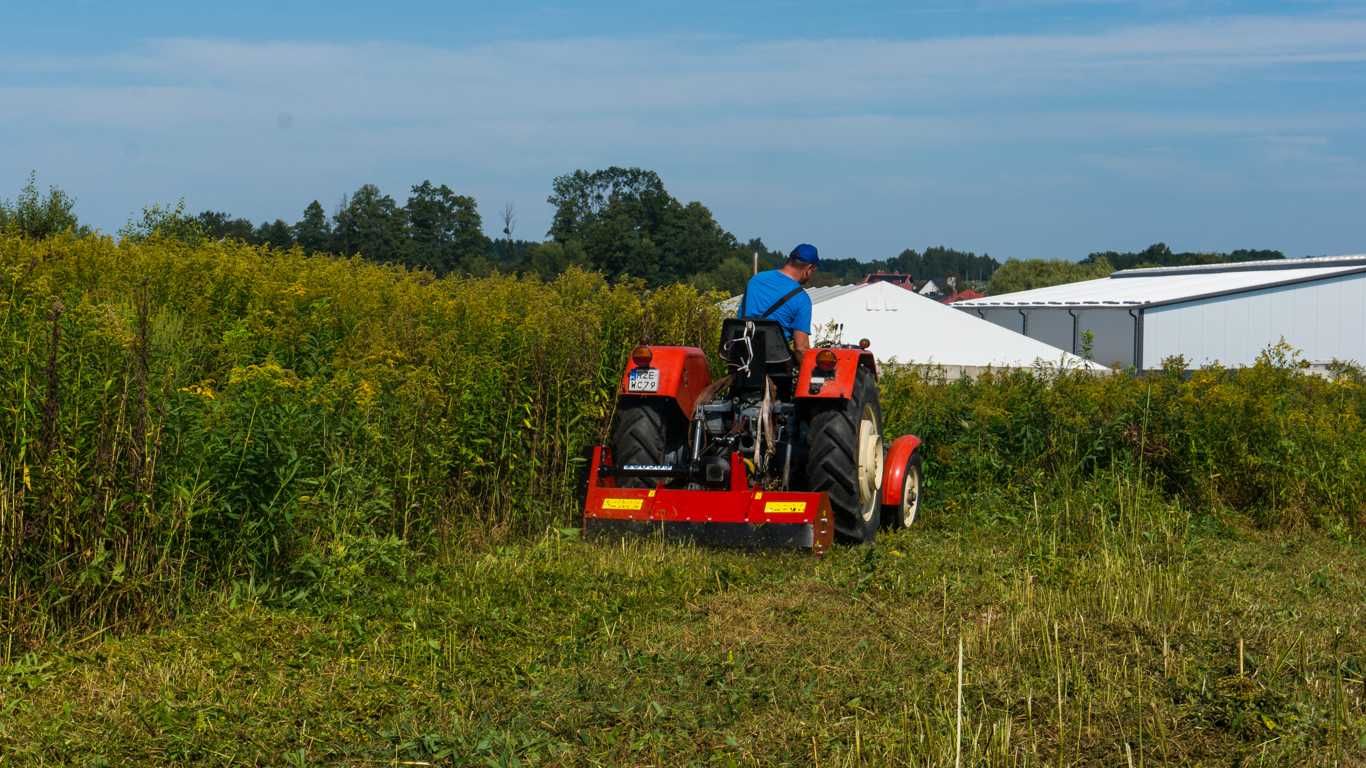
(905, 327)
(1353, 260)
(824, 293)
(1169, 285)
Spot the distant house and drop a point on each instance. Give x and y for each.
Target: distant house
(895, 278)
(964, 295)
(930, 287)
(936, 287)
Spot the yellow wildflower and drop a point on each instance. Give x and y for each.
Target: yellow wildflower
(365, 393)
(203, 389)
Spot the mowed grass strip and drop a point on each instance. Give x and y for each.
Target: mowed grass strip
(1090, 635)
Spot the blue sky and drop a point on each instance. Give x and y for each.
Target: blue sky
(1023, 128)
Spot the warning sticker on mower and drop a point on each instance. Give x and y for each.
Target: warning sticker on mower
(784, 508)
(622, 503)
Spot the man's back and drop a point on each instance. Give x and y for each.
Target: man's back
(767, 289)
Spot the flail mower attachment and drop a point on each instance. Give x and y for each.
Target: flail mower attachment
(737, 516)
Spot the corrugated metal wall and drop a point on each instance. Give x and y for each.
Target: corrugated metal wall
(1113, 330)
(1006, 318)
(1114, 335)
(1325, 319)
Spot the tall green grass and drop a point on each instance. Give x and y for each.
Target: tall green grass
(175, 417)
(1283, 447)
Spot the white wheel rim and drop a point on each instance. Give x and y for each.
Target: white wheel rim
(869, 461)
(910, 497)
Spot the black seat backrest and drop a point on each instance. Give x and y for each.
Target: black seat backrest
(772, 357)
(770, 345)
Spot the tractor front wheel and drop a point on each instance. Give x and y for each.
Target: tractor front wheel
(844, 460)
(902, 515)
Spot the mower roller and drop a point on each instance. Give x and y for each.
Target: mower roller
(777, 453)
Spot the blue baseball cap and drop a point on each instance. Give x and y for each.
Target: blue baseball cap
(806, 253)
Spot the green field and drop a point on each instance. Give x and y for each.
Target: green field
(1084, 643)
(264, 508)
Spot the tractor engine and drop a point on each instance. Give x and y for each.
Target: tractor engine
(765, 436)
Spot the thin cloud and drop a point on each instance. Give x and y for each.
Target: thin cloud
(211, 117)
(571, 77)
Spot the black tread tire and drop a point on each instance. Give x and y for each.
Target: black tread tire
(644, 431)
(891, 516)
(832, 460)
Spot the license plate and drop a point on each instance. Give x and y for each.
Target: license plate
(643, 380)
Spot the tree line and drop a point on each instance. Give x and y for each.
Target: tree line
(619, 221)
(434, 229)
(1024, 275)
(934, 262)
(1160, 255)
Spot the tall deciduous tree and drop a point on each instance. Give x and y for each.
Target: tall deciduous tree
(445, 231)
(276, 234)
(582, 197)
(627, 224)
(217, 225)
(691, 242)
(370, 223)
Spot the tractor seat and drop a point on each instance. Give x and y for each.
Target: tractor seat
(772, 354)
(770, 344)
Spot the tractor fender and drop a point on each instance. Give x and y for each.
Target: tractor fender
(683, 374)
(894, 468)
(838, 384)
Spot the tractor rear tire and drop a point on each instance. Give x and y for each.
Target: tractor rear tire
(645, 431)
(840, 436)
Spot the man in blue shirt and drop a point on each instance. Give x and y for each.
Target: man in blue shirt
(777, 294)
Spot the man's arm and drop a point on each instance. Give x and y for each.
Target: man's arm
(801, 326)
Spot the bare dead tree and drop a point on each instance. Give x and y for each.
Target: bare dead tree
(509, 217)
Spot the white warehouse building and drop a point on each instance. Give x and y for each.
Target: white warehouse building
(905, 328)
(1216, 313)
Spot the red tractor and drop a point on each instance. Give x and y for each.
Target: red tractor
(779, 452)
